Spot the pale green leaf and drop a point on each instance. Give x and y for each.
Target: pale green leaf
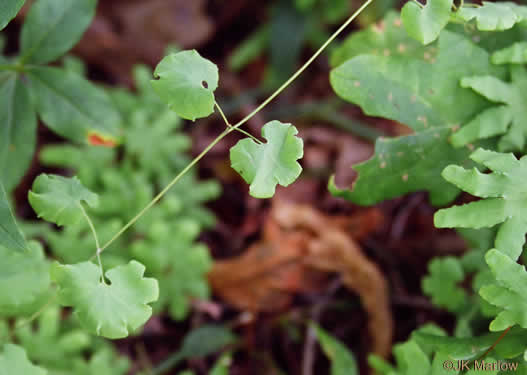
(181, 280)
(441, 284)
(111, 310)
(18, 132)
(52, 27)
(222, 365)
(423, 94)
(58, 199)
(8, 11)
(265, 165)
(410, 358)
(509, 293)
(24, 277)
(469, 348)
(72, 106)
(186, 81)
(516, 53)
(10, 235)
(425, 23)
(505, 203)
(14, 361)
(342, 360)
(493, 16)
(509, 118)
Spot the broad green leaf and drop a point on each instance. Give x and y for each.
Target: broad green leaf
(442, 283)
(265, 165)
(423, 94)
(385, 38)
(8, 10)
(342, 360)
(516, 53)
(505, 200)
(14, 361)
(206, 340)
(425, 23)
(186, 81)
(508, 293)
(58, 199)
(405, 164)
(10, 235)
(52, 28)
(24, 277)
(493, 16)
(113, 309)
(18, 130)
(73, 107)
(507, 119)
(284, 53)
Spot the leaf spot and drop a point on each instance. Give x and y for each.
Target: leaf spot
(383, 165)
(390, 97)
(401, 47)
(205, 84)
(386, 52)
(405, 177)
(356, 83)
(378, 27)
(397, 22)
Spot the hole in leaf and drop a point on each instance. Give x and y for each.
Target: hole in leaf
(205, 84)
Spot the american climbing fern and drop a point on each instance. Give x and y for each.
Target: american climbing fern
(417, 68)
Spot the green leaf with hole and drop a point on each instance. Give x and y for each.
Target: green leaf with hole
(264, 165)
(112, 308)
(186, 81)
(424, 23)
(14, 361)
(493, 16)
(10, 235)
(18, 133)
(73, 107)
(342, 359)
(24, 278)
(58, 199)
(505, 199)
(516, 53)
(424, 94)
(8, 10)
(442, 283)
(506, 119)
(509, 292)
(52, 28)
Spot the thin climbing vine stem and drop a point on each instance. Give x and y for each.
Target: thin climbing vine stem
(166, 189)
(234, 127)
(305, 66)
(97, 244)
(228, 124)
